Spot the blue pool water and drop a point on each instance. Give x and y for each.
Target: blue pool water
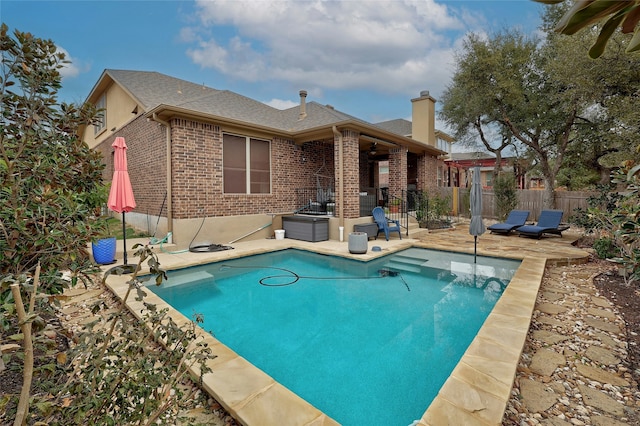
(365, 342)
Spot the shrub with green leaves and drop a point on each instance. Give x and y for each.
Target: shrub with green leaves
(506, 194)
(605, 202)
(615, 215)
(48, 176)
(605, 248)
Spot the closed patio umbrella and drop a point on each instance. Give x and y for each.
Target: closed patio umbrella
(476, 227)
(121, 198)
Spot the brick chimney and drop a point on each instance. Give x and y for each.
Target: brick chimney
(303, 105)
(423, 118)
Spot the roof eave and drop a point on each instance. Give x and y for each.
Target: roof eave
(166, 112)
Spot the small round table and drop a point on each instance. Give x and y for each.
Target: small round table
(358, 242)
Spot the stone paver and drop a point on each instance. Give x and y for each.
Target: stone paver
(603, 325)
(601, 356)
(546, 361)
(549, 337)
(601, 400)
(536, 396)
(610, 315)
(550, 308)
(600, 375)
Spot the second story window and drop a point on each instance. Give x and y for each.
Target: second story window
(102, 115)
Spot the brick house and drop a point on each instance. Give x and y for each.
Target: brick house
(229, 166)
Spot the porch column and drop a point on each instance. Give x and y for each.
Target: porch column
(397, 171)
(350, 173)
(427, 172)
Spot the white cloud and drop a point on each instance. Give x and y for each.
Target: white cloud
(386, 46)
(73, 68)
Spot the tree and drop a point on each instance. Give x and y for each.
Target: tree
(609, 87)
(574, 116)
(611, 14)
(501, 82)
(48, 176)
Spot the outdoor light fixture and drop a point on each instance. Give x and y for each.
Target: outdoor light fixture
(372, 150)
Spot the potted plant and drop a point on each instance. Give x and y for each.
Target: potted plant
(331, 208)
(103, 247)
(394, 205)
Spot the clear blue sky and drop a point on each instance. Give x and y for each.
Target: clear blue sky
(366, 58)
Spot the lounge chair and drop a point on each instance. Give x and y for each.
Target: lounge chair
(548, 223)
(515, 219)
(385, 224)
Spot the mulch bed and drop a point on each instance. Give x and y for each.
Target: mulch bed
(626, 298)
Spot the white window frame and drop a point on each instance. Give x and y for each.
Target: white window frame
(101, 124)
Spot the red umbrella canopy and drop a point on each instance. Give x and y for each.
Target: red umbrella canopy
(121, 195)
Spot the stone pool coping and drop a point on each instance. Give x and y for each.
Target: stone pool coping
(476, 392)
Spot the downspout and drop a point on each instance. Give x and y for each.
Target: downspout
(169, 171)
(340, 175)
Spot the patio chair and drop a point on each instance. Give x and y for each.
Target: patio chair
(385, 224)
(515, 219)
(548, 223)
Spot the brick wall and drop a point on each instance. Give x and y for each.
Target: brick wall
(397, 171)
(427, 172)
(300, 167)
(196, 163)
(197, 173)
(351, 172)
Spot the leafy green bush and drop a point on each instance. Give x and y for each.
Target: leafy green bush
(432, 209)
(48, 176)
(605, 202)
(506, 194)
(605, 248)
(116, 372)
(616, 215)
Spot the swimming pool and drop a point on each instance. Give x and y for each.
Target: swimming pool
(366, 343)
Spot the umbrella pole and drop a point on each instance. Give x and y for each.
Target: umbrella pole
(124, 239)
(475, 248)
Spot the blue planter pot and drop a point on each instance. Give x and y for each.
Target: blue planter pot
(104, 251)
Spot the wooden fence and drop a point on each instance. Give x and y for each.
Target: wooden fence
(528, 199)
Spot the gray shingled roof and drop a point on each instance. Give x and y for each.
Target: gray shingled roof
(400, 126)
(459, 156)
(152, 89)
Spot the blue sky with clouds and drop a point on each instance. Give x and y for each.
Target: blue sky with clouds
(366, 58)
